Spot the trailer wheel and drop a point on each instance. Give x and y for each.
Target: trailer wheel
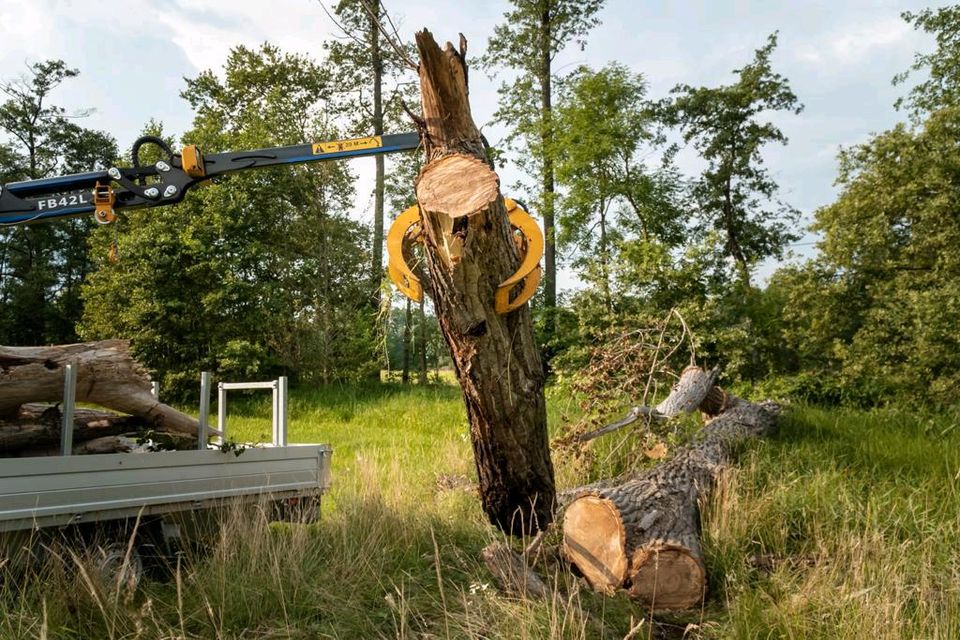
(119, 568)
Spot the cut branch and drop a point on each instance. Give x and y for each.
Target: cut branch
(692, 390)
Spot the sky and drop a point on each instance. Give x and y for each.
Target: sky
(839, 57)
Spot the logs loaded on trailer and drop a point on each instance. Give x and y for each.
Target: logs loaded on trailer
(642, 533)
(107, 375)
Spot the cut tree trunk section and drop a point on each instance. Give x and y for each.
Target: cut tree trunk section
(643, 533)
(107, 375)
(39, 426)
(469, 251)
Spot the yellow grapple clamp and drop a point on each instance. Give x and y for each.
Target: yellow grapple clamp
(523, 283)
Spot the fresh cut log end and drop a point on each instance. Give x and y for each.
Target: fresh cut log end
(667, 578)
(594, 541)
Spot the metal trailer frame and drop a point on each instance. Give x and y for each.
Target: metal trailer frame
(42, 492)
(280, 390)
(59, 491)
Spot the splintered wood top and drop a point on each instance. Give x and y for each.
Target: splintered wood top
(457, 185)
(593, 539)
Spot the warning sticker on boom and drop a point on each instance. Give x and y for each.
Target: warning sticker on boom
(354, 144)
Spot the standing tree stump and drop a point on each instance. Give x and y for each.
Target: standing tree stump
(469, 251)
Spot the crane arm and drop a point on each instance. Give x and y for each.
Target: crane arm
(168, 180)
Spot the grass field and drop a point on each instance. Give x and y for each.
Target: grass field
(846, 524)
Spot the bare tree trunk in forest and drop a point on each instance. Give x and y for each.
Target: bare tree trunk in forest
(605, 258)
(407, 318)
(494, 356)
(547, 177)
(376, 63)
(422, 345)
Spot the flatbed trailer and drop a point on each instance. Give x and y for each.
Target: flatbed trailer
(58, 491)
(163, 491)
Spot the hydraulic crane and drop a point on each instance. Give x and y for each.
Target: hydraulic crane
(167, 181)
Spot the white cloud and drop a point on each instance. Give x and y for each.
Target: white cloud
(852, 44)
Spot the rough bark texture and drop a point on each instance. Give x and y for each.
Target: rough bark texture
(103, 444)
(107, 375)
(495, 357)
(643, 534)
(39, 425)
(511, 572)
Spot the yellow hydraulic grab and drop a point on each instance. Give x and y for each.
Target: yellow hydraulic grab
(526, 234)
(405, 227)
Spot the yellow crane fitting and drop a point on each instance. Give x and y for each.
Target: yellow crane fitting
(511, 294)
(103, 201)
(405, 227)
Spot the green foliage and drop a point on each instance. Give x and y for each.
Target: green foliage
(42, 266)
(533, 33)
(941, 85)
(602, 125)
(257, 274)
(736, 195)
(889, 249)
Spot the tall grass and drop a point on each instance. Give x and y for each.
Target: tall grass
(844, 525)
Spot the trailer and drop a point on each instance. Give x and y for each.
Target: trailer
(159, 500)
(131, 508)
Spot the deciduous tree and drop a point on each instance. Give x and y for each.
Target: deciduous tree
(528, 41)
(729, 126)
(43, 266)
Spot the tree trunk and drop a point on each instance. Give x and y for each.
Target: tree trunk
(407, 319)
(376, 68)
(643, 534)
(422, 345)
(103, 444)
(469, 251)
(545, 51)
(107, 375)
(38, 425)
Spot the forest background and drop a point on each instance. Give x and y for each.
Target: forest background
(654, 200)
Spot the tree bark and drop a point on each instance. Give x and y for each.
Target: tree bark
(107, 375)
(421, 345)
(643, 534)
(39, 425)
(407, 319)
(469, 251)
(376, 68)
(545, 51)
(102, 444)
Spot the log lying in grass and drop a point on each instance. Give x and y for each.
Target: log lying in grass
(643, 534)
(107, 375)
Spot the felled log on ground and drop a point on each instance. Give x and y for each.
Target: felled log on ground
(643, 534)
(107, 375)
(39, 425)
(469, 251)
